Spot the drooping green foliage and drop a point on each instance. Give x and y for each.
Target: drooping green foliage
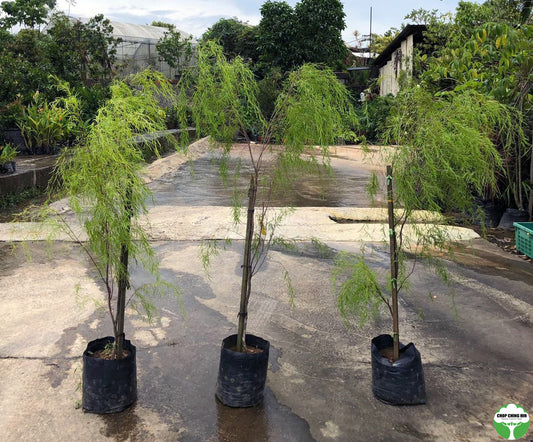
(453, 129)
(313, 109)
(224, 96)
(446, 155)
(107, 193)
(487, 48)
(359, 293)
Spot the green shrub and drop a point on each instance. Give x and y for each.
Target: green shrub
(7, 154)
(11, 113)
(45, 126)
(372, 116)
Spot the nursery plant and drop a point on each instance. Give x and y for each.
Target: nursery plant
(309, 115)
(102, 177)
(44, 126)
(444, 157)
(7, 156)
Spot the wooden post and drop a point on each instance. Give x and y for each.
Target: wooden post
(393, 265)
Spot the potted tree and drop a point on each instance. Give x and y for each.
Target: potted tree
(106, 191)
(310, 113)
(444, 158)
(8, 154)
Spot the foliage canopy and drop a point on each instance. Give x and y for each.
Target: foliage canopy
(108, 195)
(313, 109)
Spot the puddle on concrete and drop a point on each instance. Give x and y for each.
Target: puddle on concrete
(200, 184)
(266, 422)
(122, 426)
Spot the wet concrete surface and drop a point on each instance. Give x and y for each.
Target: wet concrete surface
(474, 337)
(199, 182)
(319, 380)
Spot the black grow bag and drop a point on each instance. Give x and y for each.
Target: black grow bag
(109, 386)
(242, 376)
(401, 382)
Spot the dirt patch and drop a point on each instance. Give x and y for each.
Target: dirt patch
(504, 239)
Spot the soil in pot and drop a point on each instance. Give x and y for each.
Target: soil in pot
(398, 382)
(242, 376)
(109, 385)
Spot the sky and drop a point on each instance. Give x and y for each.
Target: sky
(196, 16)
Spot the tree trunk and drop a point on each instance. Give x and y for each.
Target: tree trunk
(123, 284)
(246, 283)
(393, 266)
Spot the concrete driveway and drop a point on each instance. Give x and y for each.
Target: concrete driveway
(474, 336)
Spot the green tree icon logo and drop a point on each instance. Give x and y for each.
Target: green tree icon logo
(511, 422)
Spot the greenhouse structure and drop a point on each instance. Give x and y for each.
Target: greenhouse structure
(137, 47)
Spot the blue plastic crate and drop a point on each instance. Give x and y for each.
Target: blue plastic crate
(524, 238)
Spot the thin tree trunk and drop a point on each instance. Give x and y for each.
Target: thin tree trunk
(393, 266)
(123, 284)
(246, 283)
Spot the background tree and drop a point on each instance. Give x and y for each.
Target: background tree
(29, 13)
(83, 54)
(277, 35)
(175, 50)
(309, 33)
(489, 51)
(235, 37)
(381, 41)
(163, 24)
(378, 43)
(24, 67)
(98, 49)
(319, 26)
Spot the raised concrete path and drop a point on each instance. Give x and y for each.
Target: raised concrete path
(212, 222)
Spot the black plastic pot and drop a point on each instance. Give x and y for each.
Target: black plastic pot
(109, 386)
(510, 217)
(401, 382)
(242, 376)
(9, 167)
